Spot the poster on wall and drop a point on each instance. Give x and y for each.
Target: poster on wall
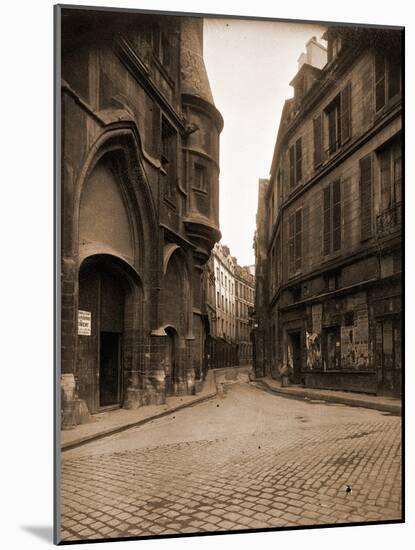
(166, 311)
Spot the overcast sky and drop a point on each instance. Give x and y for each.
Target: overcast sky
(250, 65)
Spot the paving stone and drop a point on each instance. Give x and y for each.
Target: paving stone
(298, 477)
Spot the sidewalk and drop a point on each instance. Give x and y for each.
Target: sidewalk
(381, 403)
(111, 422)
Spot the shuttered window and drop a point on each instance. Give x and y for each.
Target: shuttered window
(332, 218)
(394, 75)
(380, 81)
(336, 230)
(339, 121)
(291, 242)
(326, 220)
(295, 232)
(333, 119)
(318, 141)
(298, 239)
(292, 166)
(366, 197)
(345, 109)
(387, 78)
(296, 162)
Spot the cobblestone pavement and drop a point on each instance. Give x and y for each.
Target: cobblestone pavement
(247, 460)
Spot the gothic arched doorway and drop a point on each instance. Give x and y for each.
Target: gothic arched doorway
(108, 297)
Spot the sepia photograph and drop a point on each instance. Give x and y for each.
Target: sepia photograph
(230, 249)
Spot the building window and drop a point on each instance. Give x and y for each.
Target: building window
(338, 124)
(217, 299)
(162, 48)
(331, 218)
(366, 197)
(318, 141)
(168, 156)
(200, 180)
(333, 125)
(277, 263)
(296, 162)
(390, 163)
(387, 78)
(295, 230)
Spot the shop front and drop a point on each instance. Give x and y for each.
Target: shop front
(338, 349)
(388, 343)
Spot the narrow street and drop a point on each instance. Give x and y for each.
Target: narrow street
(244, 460)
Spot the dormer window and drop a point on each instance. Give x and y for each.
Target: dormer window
(335, 44)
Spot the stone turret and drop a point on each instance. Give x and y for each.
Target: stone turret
(204, 123)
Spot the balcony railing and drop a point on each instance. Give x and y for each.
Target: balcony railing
(389, 220)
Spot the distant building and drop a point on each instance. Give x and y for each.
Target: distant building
(229, 324)
(244, 306)
(328, 240)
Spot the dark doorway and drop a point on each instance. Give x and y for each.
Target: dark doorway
(332, 348)
(388, 347)
(102, 293)
(295, 347)
(109, 369)
(169, 363)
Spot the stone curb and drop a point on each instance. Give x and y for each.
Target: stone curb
(116, 429)
(394, 408)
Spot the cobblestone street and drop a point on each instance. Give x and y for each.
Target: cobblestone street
(244, 460)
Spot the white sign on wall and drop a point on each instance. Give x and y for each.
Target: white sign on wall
(84, 323)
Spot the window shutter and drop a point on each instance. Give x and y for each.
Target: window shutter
(345, 109)
(326, 220)
(298, 160)
(332, 127)
(305, 237)
(366, 197)
(292, 166)
(380, 96)
(318, 141)
(367, 96)
(291, 243)
(394, 80)
(337, 229)
(298, 239)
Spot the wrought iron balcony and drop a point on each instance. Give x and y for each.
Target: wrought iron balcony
(389, 220)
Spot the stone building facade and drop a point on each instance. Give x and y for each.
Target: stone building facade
(328, 240)
(139, 186)
(229, 301)
(244, 305)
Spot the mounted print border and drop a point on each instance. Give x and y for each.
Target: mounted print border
(195, 395)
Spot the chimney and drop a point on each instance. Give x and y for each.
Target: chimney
(316, 53)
